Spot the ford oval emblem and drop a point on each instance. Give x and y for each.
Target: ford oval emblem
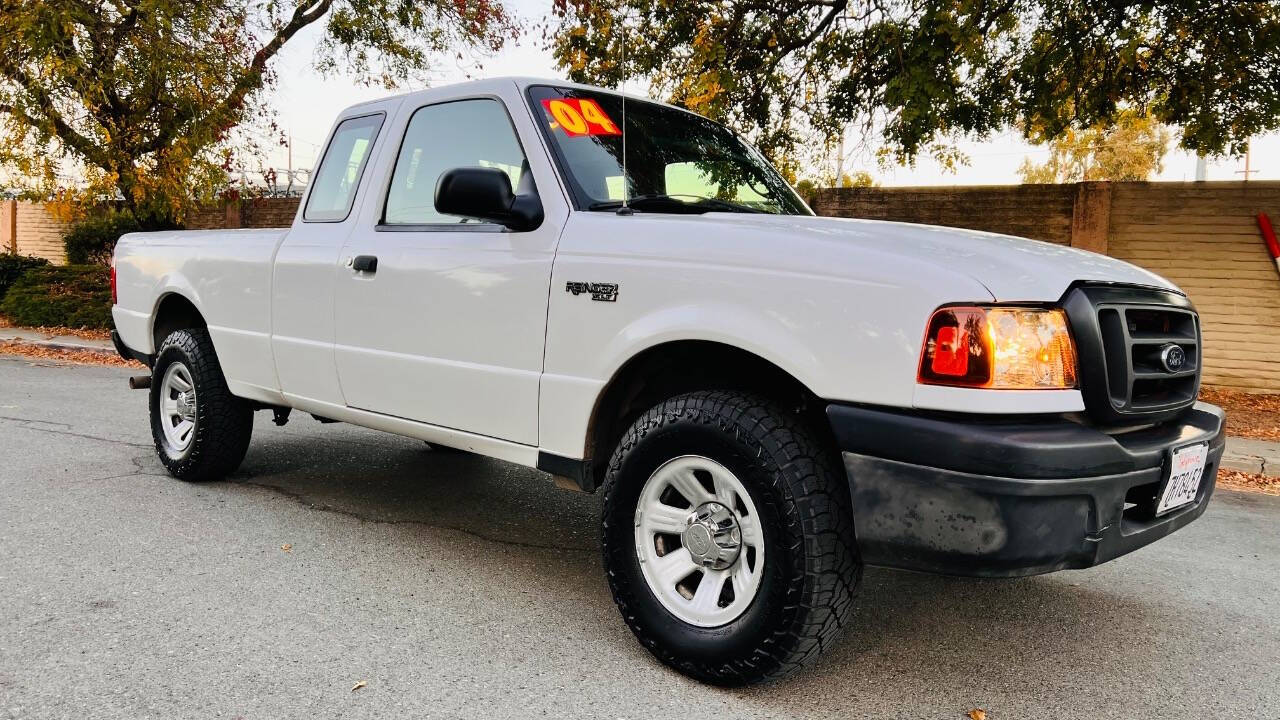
(1173, 358)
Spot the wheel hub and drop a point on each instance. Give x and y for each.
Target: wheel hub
(177, 409)
(187, 405)
(699, 540)
(712, 537)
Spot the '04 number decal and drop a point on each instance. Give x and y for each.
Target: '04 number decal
(578, 117)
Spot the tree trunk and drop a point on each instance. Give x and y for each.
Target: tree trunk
(149, 214)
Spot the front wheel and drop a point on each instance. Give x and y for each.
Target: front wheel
(728, 538)
(201, 431)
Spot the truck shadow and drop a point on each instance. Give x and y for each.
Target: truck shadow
(967, 639)
(384, 478)
(963, 638)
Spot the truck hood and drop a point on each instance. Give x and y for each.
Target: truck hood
(1011, 268)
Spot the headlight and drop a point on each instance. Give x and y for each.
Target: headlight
(998, 347)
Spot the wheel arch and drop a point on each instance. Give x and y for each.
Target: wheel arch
(174, 311)
(671, 368)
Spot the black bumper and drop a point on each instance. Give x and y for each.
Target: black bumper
(1008, 498)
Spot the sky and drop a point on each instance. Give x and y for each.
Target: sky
(306, 104)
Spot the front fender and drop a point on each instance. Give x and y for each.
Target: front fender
(762, 335)
(844, 318)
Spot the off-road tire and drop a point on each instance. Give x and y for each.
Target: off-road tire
(223, 422)
(812, 570)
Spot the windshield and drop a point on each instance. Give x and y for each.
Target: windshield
(677, 162)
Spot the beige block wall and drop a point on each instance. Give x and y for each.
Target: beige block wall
(38, 232)
(1205, 238)
(8, 240)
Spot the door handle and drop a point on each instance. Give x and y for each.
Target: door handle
(365, 263)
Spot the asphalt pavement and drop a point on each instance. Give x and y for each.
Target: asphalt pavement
(457, 586)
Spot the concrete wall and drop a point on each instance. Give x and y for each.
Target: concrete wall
(1041, 212)
(28, 229)
(1202, 236)
(255, 213)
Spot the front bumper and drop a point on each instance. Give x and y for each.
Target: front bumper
(1011, 497)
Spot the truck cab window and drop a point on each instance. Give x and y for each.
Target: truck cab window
(464, 133)
(334, 187)
(676, 162)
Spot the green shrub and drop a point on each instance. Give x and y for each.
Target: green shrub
(13, 266)
(91, 241)
(77, 296)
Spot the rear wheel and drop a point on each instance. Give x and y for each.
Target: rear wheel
(728, 538)
(201, 431)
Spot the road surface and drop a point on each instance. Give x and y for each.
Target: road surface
(456, 586)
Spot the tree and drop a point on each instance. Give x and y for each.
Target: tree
(923, 73)
(142, 95)
(1132, 149)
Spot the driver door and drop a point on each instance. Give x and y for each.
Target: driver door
(448, 328)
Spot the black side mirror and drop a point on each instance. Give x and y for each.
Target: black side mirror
(485, 194)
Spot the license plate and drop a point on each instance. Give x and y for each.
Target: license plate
(1186, 470)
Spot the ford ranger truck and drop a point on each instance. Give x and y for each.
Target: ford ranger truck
(627, 296)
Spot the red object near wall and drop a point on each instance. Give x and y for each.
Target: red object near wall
(1269, 236)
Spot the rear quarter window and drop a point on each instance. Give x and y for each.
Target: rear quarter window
(333, 189)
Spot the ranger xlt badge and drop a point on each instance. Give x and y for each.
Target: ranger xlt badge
(604, 292)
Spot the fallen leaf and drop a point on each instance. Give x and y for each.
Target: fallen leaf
(82, 357)
(977, 714)
(287, 547)
(1248, 482)
(362, 683)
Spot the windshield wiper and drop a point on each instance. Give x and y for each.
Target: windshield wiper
(703, 204)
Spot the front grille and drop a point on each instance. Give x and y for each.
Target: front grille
(1128, 340)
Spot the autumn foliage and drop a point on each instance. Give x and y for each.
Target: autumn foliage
(795, 74)
(1131, 148)
(140, 100)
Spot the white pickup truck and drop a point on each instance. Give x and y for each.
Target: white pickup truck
(628, 297)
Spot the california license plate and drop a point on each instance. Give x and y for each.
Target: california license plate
(1186, 470)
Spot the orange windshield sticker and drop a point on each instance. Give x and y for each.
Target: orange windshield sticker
(578, 117)
(594, 115)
